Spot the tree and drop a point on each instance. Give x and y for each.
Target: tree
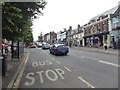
(17, 19)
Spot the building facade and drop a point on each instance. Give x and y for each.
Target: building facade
(97, 31)
(78, 36)
(40, 38)
(115, 31)
(45, 37)
(61, 37)
(69, 34)
(53, 37)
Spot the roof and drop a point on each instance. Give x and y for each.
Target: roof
(111, 11)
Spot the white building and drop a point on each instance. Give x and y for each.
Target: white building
(48, 38)
(61, 37)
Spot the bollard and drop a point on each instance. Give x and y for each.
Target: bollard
(4, 65)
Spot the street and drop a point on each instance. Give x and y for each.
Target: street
(79, 69)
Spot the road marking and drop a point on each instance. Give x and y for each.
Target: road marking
(32, 79)
(52, 75)
(49, 55)
(46, 53)
(80, 51)
(18, 79)
(105, 62)
(82, 57)
(89, 85)
(41, 63)
(90, 58)
(53, 59)
(58, 62)
(43, 51)
(76, 56)
(109, 63)
(67, 68)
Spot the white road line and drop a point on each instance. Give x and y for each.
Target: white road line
(58, 62)
(67, 68)
(89, 85)
(90, 58)
(109, 63)
(76, 56)
(53, 59)
(105, 62)
(49, 55)
(79, 56)
(18, 79)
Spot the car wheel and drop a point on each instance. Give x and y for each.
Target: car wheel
(50, 52)
(65, 54)
(55, 53)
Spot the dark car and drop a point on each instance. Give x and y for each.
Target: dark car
(59, 49)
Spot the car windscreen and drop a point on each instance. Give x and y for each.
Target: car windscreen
(61, 46)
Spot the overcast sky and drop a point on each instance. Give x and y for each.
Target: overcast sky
(60, 14)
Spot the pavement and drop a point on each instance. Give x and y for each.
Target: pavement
(13, 65)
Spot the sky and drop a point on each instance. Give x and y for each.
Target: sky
(59, 14)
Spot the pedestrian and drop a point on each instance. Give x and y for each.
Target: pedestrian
(114, 45)
(105, 46)
(6, 48)
(99, 44)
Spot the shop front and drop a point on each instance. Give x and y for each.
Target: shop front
(93, 40)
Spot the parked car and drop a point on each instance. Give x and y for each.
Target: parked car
(32, 45)
(39, 44)
(46, 46)
(59, 49)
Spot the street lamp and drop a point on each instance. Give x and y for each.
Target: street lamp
(70, 29)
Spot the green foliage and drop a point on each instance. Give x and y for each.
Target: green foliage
(17, 19)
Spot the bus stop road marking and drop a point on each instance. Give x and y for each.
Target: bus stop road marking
(67, 69)
(18, 79)
(88, 84)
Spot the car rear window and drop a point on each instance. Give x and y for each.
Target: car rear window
(61, 46)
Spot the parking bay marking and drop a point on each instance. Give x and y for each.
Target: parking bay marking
(89, 85)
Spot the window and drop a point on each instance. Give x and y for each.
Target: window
(95, 29)
(99, 28)
(105, 26)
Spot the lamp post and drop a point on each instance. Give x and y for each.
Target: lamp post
(70, 29)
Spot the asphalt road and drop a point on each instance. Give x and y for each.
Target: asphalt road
(79, 69)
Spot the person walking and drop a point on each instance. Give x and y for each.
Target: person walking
(6, 48)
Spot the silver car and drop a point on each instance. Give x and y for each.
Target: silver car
(46, 46)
